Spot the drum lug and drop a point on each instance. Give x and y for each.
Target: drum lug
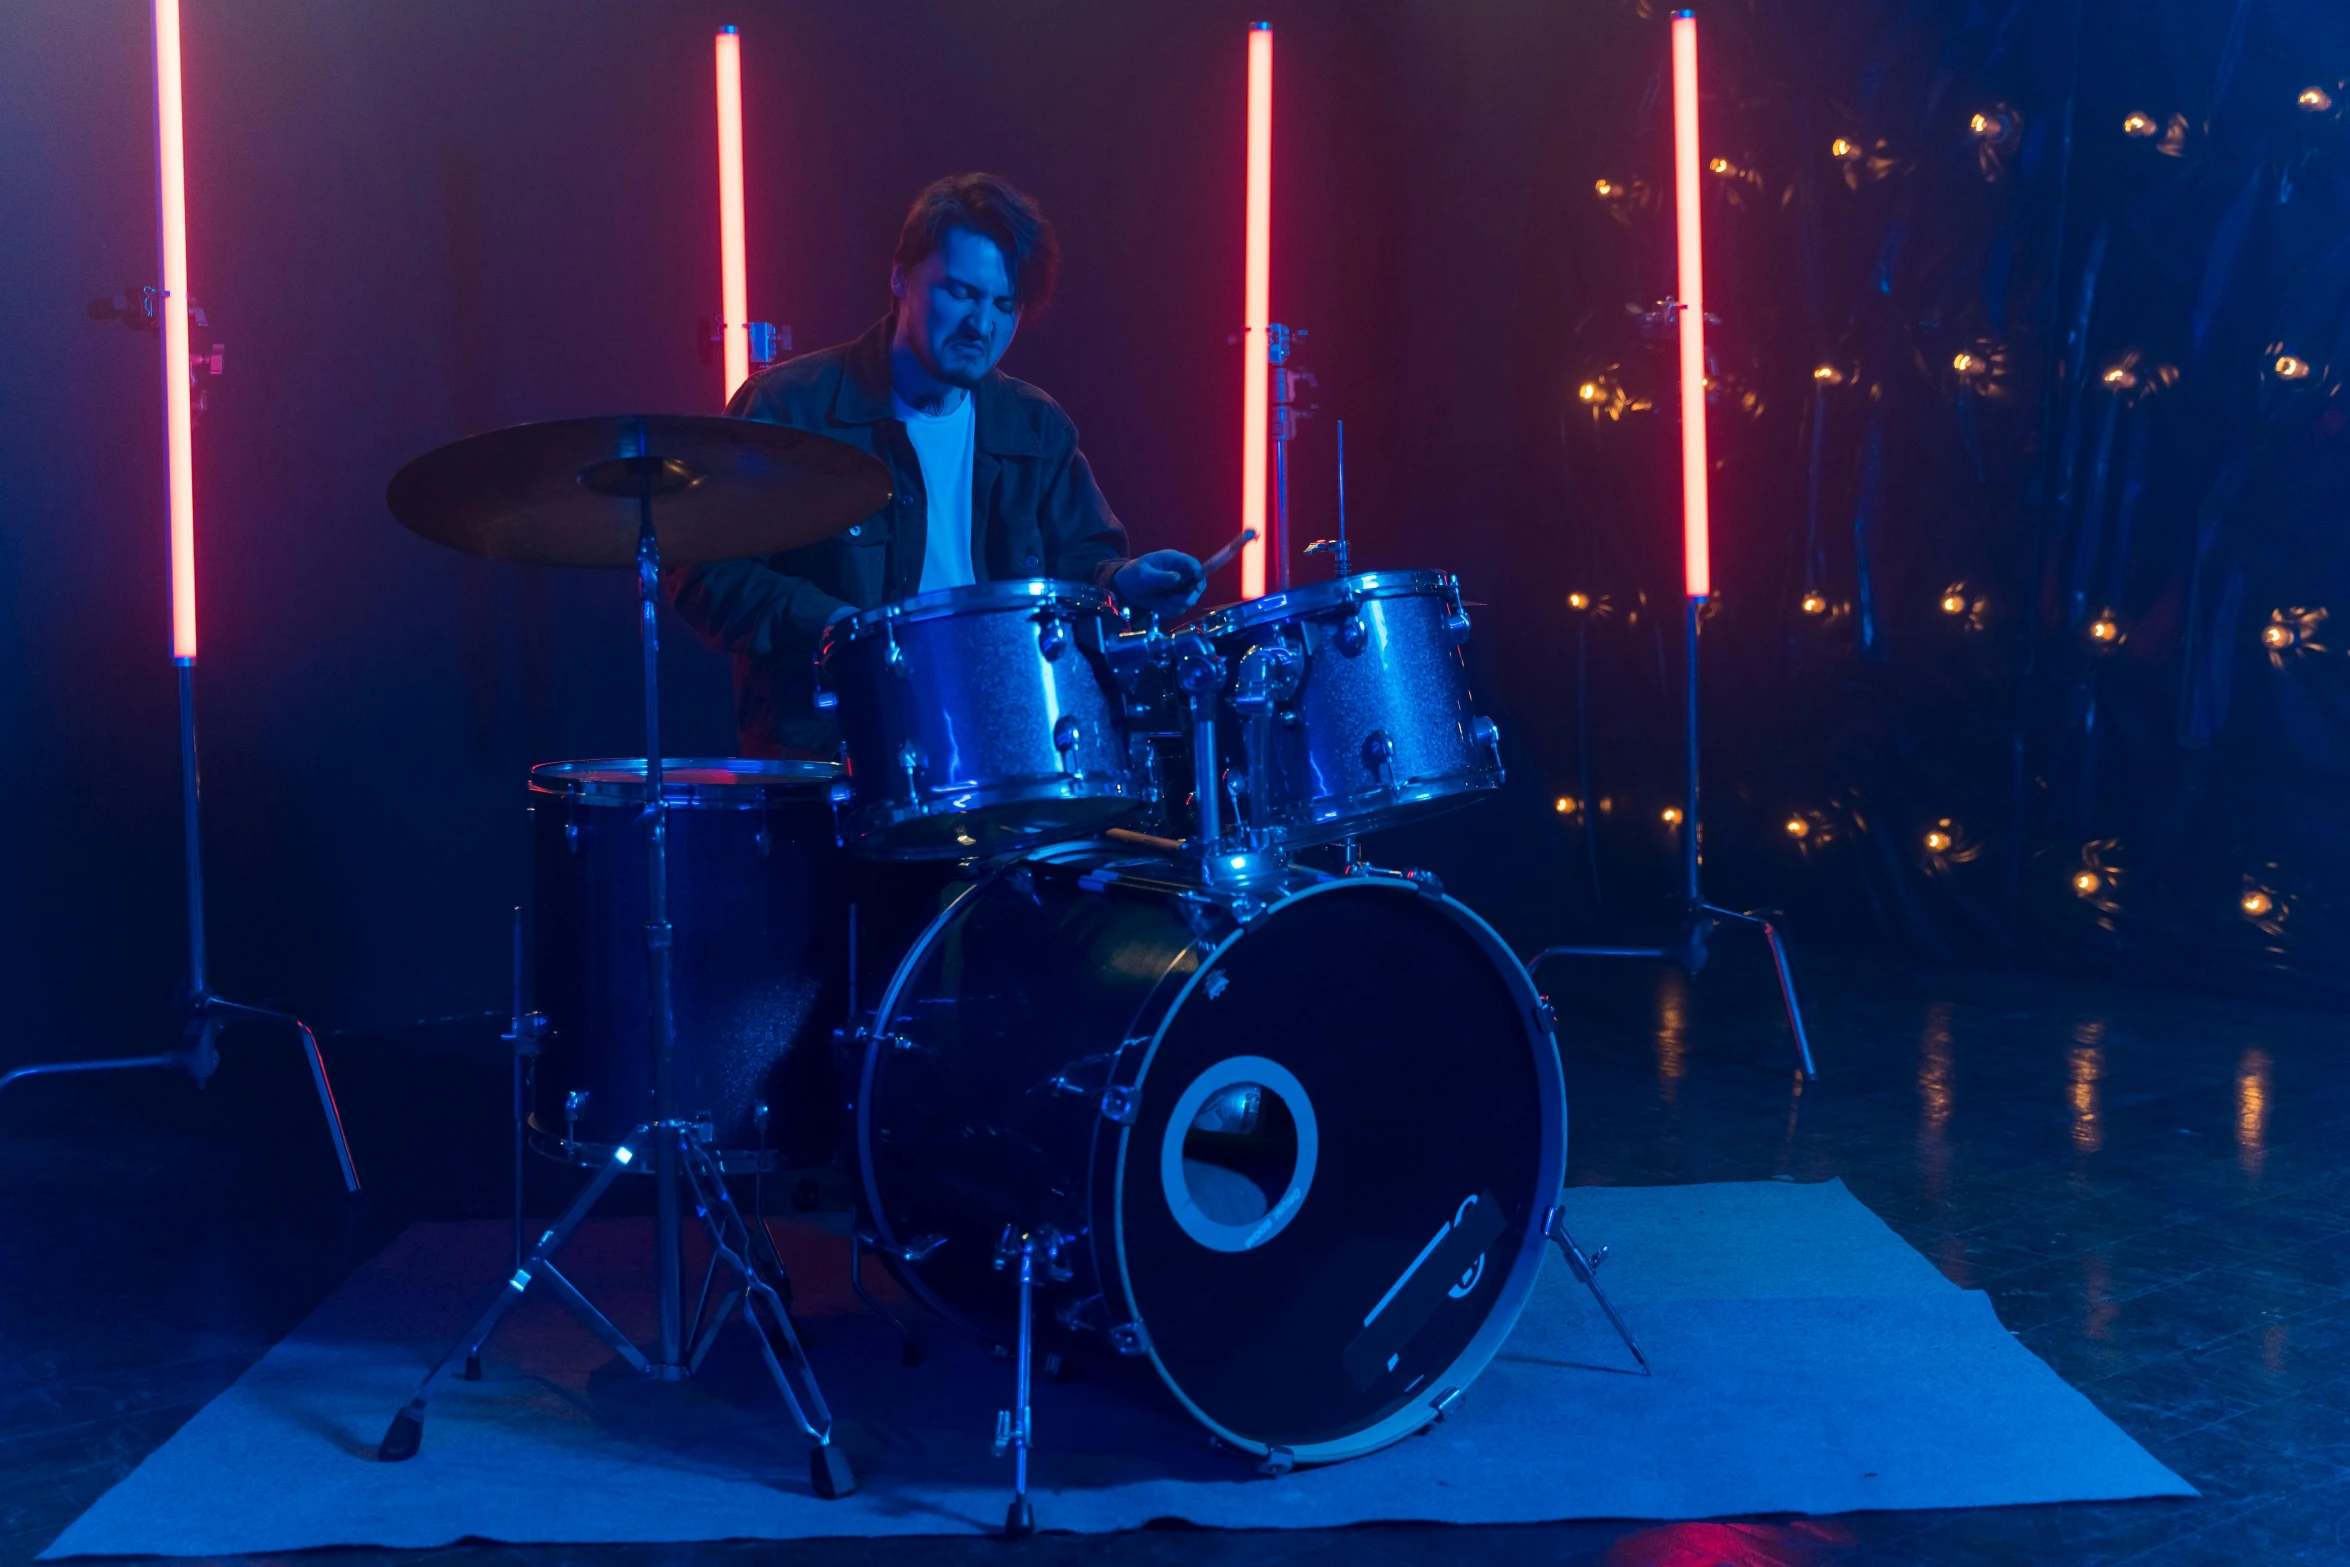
(897, 654)
(1066, 733)
(1278, 1461)
(1121, 1105)
(1444, 1401)
(1351, 637)
(1052, 635)
(910, 762)
(1128, 1338)
(1456, 626)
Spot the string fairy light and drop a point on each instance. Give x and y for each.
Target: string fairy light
(2315, 99)
(2291, 368)
(2138, 124)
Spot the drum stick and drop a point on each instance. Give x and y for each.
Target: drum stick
(1223, 557)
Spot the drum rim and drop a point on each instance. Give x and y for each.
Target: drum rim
(971, 598)
(1320, 597)
(1130, 1069)
(863, 825)
(1374, 810)
(1517, 1288)
(783, 781)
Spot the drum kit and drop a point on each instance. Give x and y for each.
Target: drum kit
(1283, 1142)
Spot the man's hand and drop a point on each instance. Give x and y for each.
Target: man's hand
(1163, 582)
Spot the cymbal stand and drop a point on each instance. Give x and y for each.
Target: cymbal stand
(1699, 918)
(681, 1164)
(202, 1013)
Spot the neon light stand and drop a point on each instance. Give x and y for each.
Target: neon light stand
(203, 1013)
(1699, 917)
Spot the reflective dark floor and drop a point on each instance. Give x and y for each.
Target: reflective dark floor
(2149, 1184)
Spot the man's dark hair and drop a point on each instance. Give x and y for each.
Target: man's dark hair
(989, 205)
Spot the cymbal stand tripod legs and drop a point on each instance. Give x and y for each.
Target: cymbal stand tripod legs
(757, 1288)
(203, 1013)
(1699, 916)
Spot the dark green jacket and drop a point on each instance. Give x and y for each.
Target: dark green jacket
(1035, 512)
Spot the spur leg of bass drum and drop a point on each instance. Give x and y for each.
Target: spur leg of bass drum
(1037, 1255)
(1585, 1266)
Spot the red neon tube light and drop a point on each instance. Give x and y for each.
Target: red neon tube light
(178, 416)
(1696, 565)
(1255, 404)
(733, 287)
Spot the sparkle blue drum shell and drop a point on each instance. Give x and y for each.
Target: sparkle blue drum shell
(1380, 727)
(759, 962)
(1306, 1144)
(979, 721)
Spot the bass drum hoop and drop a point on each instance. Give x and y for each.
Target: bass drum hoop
(1525, 1268)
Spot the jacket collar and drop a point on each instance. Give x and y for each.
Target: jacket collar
(1000, 422)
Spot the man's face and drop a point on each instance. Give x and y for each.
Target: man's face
(956, 312)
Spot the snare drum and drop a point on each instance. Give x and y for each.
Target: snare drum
(979, 720)
(759, 967)
(1350, 707)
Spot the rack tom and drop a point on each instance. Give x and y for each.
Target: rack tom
(979, 720)
(1349, 709)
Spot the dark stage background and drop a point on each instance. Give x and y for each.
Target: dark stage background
(413, 221)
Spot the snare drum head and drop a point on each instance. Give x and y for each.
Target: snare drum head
(1329, 1207)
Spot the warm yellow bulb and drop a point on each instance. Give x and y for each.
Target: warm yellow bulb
(1842, 148)
(1604, 187)
(1828, 373)
(1588, 391)
(1578, 601)
(2138, 125)
(1813, 604)
(2292, 369)
(1564, 805)
(2315, 99)
(2119, 375)
(1937, 841)
(1953, 603)
(2256, 903)
(1980, 124)
(2104, 630)
(1797, 827)
(2086, 882)
(2277, 636)
(1965, 364)
(1670, 816)
(1719, 165)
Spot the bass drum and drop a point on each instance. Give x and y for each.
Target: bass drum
(1301, 1144)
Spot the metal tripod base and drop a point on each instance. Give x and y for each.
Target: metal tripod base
(1690, 954)
(1585, 1266)
(756, 1290)
(200, 1058)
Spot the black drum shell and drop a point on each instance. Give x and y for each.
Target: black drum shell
(1082, 972)
(759, 979)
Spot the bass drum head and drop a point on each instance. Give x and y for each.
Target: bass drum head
(1329, 1208)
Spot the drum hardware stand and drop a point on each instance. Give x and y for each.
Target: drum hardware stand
(1038, 1254)
(1283, 417)
(674, 1144)
(1698, 916)
(522, 1037)
(1585, 1266)
(203, 1013)
(681, 1148)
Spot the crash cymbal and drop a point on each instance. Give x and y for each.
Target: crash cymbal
(567, 492)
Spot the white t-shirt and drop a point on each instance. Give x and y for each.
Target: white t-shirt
(942, 444)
